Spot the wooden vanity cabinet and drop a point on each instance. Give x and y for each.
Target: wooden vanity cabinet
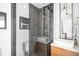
(56, 51)
(42, 49)
(69, 53)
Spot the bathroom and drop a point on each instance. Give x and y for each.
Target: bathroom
(40, 29)
(54, 31)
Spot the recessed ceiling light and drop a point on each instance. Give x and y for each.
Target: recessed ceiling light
(24, 6)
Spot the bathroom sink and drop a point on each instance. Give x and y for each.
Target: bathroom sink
(76, 47)
(43, 39)
(65, 43)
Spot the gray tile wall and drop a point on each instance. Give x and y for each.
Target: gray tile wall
(33, 33)
(36, 26)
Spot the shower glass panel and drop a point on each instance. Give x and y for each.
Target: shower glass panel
(46, 22)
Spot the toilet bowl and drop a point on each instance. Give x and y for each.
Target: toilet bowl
(26, 48)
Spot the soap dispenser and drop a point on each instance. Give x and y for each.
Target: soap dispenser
(75, 42)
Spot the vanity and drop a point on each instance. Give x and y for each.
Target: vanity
(42, 46)
(60, 49)
(42, 49)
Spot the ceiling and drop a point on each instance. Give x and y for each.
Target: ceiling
(40, 5)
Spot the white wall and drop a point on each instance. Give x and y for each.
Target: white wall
(22, 9)
(5, 34)
(56, 21)
(75, 15)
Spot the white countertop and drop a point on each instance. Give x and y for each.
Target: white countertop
(43, 39)
(65, 46)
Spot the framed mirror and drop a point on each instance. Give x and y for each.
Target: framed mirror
(24, 23)
(66, 21)
(2, 20)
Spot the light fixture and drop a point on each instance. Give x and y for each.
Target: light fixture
(24, 6)
(65, 8)
(67, 13)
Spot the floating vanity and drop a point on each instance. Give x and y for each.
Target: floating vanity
(63, 48)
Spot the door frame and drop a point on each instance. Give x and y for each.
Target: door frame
(13, 29)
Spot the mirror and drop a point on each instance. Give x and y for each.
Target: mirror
(66, 21)
(2, 20)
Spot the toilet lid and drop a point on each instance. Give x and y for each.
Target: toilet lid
(26, 46)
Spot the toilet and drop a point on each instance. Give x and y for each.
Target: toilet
(25, 46)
